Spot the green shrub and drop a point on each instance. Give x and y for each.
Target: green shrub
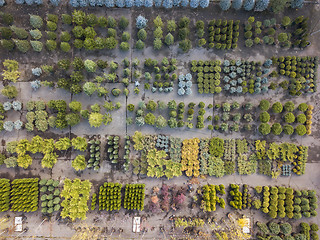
(142, 34)
(282, 37)
(91, 20)
(249, 43)
(65, 47)
(123, 23)
(286, 21)
(78, 31)
(51, 35)
(139, 44)
(264, 128)
(288, 129)
(157, 44)
(150, 119)
(35, 34)
(301, 118)
(7, 18)
(289, 118)
(277, 107)
(66, 19)
(20, 32)
(169, 39)
(185, 45)
(6, 32)
(303, 107)
(53, 18)
(112, 23)
(264, 105)
(289, 106)
(125, 36)
(36, 46)
(264, 117)
(124, 46)
(65, 36)
(301, 130)
(51, 45)
(276, 129)
(51, 26)
(36, 21)
(7, 44)
(274, 228)
(90, 65)
(89, 32)
(286, 228)
(22, 45)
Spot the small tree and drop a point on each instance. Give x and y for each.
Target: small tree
(36, 21)
(264, 128)
(276, 129)
(141, 22)
(204, 3)
(261, 5)
(225, 4)
(22, 45)
(169, 39)
(157, 44)
(237, 4)
(278, 6)
(264, 117)
(297, 3)
(301, 130)
(194, 3)
(286, 21)
(161, 122)
(36, 46)
(150, 119)
(90, 65)
(289, 117)
(282, 37)
(289, 106)
(277, 107)
(288, 129)
(264, 105)
(248, 5)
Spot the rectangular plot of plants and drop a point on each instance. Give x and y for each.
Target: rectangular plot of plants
(301, 71)
(208, 75)
(134, 197)
(4, 194)
(223, 34)
(110, 196)
(290, 33)
(24, 195)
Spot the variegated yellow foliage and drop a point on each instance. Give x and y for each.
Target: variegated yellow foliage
(189, 157)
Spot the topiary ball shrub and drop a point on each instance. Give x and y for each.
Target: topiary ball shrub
(276, 129)
(301, 130)
(301, 118)
(303, 107)
(274, 228)
(264, 128)
(286, 228)
(289, 106)
(277, 107)
(288, 129)
(264, 117)
(264, 105)
(289, 118)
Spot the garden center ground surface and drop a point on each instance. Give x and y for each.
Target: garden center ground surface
(63, 229)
